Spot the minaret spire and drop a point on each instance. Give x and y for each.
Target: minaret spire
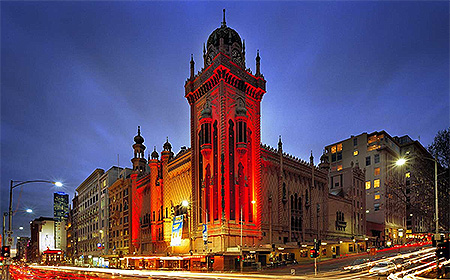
(258, 64)
(224, 23)
(192, 66)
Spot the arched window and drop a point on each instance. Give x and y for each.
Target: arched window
(295, 201)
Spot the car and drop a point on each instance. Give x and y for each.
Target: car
(357, 265)
(383, 268)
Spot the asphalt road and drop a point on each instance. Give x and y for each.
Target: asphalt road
(329, 269)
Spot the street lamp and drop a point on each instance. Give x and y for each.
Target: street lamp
(15, 184)
(402, 161)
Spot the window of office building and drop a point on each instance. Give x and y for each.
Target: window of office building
(376, 158)
(377, 195)
(376, 183)
(355, 141)
(376, 206)
(367, 160)
(355, 153)
(376, 171)
(367, 185)
(339, 167)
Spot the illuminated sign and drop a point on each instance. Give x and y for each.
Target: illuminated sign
(177, 230)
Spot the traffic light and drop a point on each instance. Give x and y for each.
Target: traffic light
(313, 253)
(211, 259)
(442, 250)
(5, 251)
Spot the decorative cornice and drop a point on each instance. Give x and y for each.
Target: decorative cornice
(223, 69)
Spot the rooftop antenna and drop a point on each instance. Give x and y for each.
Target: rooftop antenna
(224, 23)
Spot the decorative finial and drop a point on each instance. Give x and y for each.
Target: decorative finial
(258, 64)
(192, 57)
(224, 23)
(139, 130)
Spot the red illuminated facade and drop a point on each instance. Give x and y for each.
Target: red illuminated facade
(225, 135)
(253, 198)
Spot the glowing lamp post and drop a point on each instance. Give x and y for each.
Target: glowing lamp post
(15, 184)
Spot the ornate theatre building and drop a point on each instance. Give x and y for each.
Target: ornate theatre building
(228, 200)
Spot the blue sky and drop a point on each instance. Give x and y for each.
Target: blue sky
(77, 78)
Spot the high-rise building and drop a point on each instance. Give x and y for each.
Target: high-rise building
(119, 231)
(60, 213)
(419, 192)
(92, 215)
(376, 153)
(60, 205)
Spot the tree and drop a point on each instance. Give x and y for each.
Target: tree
(440, 148)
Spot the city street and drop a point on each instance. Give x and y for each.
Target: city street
(330, 269)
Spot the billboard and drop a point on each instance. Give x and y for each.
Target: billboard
(177, 231)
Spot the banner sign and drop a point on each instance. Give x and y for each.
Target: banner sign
(205, 232)
(177, 231)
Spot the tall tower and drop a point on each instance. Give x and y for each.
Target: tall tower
(224, 101)
(139, 169)
(139, 161)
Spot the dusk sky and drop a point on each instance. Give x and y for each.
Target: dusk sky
(77, 78)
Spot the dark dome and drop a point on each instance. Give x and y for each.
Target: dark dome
(155, 154)
(167, 146)
(228, 34)
(138, 138)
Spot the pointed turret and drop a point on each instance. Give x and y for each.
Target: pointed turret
(139, 161)
(258, 64)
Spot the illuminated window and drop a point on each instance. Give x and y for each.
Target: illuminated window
(355, 153)
(339, 168)
(376, 183)
(376, 171)
(339, 147)
(377, 195)
(372, 139)
(408, 175)
(367, 185)
(333, 149)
